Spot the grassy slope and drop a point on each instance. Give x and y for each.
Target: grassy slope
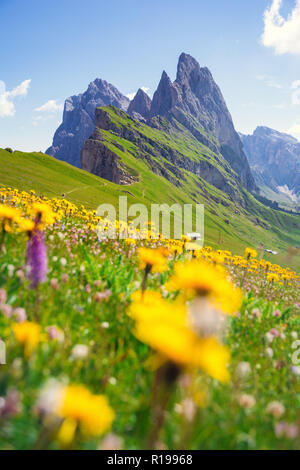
(52, 177)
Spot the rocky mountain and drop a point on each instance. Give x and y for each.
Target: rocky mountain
(274, 158)
(139, 107)
(195, 101)
(79, 119)
(192, 108)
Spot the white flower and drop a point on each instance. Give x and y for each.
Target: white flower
(63, 261)
(294, 334)
(276, 409)
(269, 352)
(50, 396)
(269, 337)
(105, 324)
(243, 369)
(112, 380)
(80, 351)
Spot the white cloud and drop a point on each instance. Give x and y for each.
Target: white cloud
(50, 107)
(269, 81)
(132, 95)
(295, 130)
(7, 106)
(296, 92)
(145, 89)
(283, 35)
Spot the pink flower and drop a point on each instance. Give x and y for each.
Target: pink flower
(55, 333)
(99, 296)
(65, 278)
(54, 283)
(10, 404)
(6, 310)
(20, 314)
(3, 296)
(37, 260)
(274, 332)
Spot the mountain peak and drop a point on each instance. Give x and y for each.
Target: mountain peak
(79, 118)
(139, 107)
(264, 131)
(195, 100)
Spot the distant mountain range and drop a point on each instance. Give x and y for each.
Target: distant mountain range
(193, 103)
(193, 108)
(274, 159)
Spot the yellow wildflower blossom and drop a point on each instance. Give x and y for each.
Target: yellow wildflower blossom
(91, 412)
(28, 335)
(153, 259)
(198, 278)
(165, 327)
(250, 253)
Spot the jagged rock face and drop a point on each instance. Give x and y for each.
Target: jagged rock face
(103, 162)
(79, 119)
(139, 107)
(100, 160)
(274, 158)
(194, 99)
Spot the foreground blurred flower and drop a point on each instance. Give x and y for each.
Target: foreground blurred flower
(79, 409)
(20, 314)
(276, 409)
(43, 214)
(80, 351)
(28, 334)
(247, 401)
(289, 431)
(166, 328)
(8, 215)
(10, 404)
(3, 296)
(36, 258)
(200, 279)
(151, 260)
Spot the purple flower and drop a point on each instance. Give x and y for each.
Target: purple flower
(37, 259)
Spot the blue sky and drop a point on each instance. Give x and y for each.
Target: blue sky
(52, 49)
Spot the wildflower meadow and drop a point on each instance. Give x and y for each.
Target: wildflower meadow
(140, 343)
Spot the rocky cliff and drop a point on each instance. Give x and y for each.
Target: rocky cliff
(274, 158)
(192, 105)
(165, 150)
(195, 100)
(79, 119)
(139, 107)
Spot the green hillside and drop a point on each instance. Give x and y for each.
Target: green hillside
(223, 227)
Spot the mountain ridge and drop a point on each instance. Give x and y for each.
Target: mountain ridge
(193, 102)
(274, 158)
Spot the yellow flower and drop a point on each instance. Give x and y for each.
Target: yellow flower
(8, 216)
(91, 412)
(153, 259)
(25, 225)
(28, 335)
(165, 327)
(271, 277)
(44, 213)
(198, 278)
(250, 253)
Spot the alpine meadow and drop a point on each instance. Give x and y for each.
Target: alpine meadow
(121, 332)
